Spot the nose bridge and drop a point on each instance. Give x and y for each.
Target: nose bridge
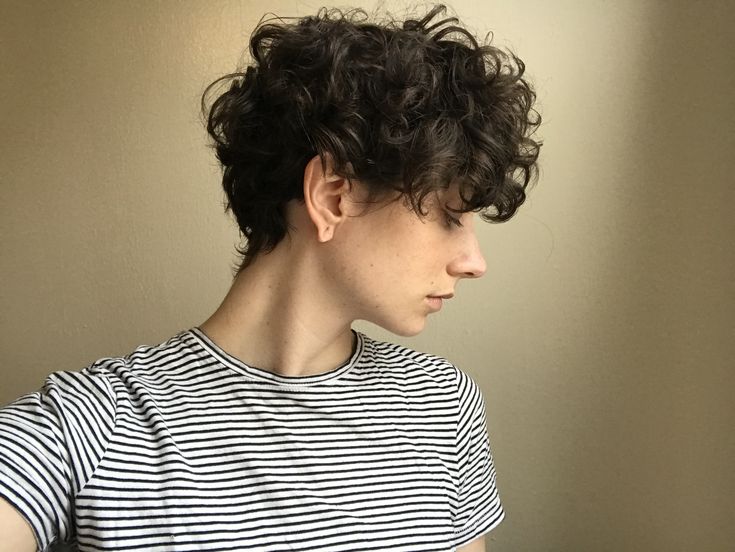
(469, 262)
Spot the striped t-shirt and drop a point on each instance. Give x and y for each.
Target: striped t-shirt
(184, 447)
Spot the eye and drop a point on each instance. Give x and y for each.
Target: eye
(451, 221)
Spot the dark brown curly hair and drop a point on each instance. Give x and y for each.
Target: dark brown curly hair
(409, 107)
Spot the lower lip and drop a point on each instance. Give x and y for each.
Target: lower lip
(435, 303)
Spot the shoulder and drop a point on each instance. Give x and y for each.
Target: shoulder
(148, 363)
(104, 381)
(400, 359)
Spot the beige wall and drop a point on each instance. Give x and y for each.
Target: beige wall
(602, 334)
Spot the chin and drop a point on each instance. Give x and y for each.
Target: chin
(408, 325)
(406, 329)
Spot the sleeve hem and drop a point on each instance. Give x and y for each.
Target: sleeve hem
(468, 534)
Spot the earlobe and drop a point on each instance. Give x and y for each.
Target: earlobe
(325, 235)
(323, 195)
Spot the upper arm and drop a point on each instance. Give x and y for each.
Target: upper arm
(477, 545)
(17, 534)
(50, 442)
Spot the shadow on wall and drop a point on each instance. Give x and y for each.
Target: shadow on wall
(661, 417)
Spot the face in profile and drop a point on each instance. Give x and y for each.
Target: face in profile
(395, 267)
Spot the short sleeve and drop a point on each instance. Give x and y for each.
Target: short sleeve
(50, 443)
(479, 509)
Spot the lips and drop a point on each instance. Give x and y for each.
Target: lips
(435, 301)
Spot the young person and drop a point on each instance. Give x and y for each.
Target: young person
(355, 157)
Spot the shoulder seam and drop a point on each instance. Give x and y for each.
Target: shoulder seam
(105, 375)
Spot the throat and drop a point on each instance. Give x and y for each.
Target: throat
(279, 328)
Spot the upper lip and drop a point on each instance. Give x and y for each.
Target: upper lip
(443, 296)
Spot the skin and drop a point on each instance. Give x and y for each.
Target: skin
(290, 311)
(477, 545)
(17, 535)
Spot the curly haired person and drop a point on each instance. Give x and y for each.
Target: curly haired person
(356, 157)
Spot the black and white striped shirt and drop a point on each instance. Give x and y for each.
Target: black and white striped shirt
(183, 447)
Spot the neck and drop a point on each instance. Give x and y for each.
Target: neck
(278, 317)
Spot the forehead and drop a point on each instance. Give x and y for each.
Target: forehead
(449, 197)
(424, 202)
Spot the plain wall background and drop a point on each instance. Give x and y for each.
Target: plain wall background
(603, 333)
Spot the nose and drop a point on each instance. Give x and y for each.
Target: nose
(469, 261)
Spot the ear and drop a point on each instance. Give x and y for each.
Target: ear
(324, 196)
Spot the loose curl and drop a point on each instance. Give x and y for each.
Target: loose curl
(409, 107)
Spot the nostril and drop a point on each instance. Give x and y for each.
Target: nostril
(478, 272)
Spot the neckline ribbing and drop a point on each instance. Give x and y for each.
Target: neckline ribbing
(261, 374)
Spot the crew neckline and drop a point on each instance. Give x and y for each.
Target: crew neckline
(261, 374)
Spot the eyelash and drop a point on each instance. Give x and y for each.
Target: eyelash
(452, 221)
